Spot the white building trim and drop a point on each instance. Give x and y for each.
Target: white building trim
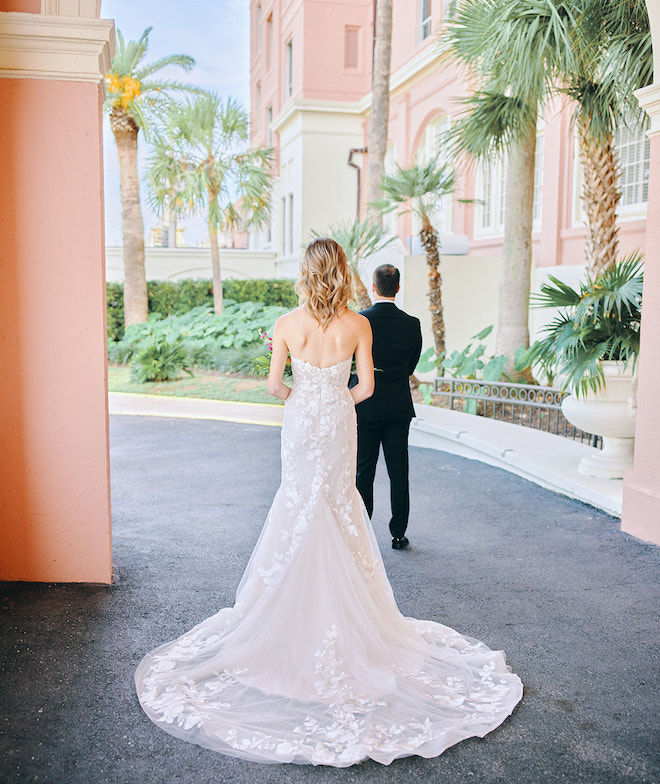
(35, 46)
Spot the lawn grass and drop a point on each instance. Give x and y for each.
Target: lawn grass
(204, 384)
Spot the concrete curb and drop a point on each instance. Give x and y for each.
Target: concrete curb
(548, 460)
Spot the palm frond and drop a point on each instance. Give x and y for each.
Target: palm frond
(599, 321)
(491, 123)
(184, 61)
(359, 239)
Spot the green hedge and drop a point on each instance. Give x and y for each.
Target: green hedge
(171, 298)
(270, 291)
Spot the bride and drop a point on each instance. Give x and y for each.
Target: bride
(315, 663)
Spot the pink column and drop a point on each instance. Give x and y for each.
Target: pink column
(54, 466)
(641, 489)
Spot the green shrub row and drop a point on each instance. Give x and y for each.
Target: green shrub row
(175, 297)
(270, 291)
(161, 347)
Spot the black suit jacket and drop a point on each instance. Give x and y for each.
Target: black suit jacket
(396, 349)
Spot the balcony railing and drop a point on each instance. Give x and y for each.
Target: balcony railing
(520, 404)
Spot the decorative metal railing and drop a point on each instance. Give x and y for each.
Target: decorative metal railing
(520, 404)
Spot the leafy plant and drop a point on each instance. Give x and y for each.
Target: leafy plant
(471, 363)
(598, 321)
(159, 359)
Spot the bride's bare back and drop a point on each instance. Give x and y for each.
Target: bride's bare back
(302, 336)
(306, 339)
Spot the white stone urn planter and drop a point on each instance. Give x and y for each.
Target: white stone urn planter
(607, 413)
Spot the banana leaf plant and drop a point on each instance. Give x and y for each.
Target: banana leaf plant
(600, 320)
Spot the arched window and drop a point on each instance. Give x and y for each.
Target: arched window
(431, 147)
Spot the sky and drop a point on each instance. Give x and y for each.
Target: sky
(217, 34)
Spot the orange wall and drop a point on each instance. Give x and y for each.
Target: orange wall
(24, 6)
(54, 467)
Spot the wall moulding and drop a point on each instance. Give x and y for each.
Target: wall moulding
(34, 46)
(90, 9)
(649, 99)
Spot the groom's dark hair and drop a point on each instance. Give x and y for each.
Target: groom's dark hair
(386, 280)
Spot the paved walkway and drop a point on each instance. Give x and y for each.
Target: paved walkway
(572, 600)
(548, 460)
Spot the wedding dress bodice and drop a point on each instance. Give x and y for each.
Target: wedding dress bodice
(315, 663)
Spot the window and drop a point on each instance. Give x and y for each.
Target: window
(430, 148)
(491, 198)
(284, 225)
(288, 87)
(351, 38)
(448, 8)
(424, 19)
(633, 149)
(269, 126)
(259, 27)
(257, 114)
(269, 41)
(291, 223)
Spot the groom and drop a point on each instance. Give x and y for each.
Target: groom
(384, 418)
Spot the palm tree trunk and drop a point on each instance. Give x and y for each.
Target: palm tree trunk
(215, 261)
(136, 307)
(380, 104)
(513, 308)
(429, 238)
(362, 297)
(600, 196)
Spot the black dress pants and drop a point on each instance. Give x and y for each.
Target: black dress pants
(394, 438)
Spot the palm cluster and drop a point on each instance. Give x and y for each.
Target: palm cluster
(521, 55)
(600, 320)
(200, 159)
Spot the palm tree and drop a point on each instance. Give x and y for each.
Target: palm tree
(520, 52)
(511, 49)
(132, 97)
(380, 103)
(418, 189)
(612, 42)
(200, 161)
(359, 239)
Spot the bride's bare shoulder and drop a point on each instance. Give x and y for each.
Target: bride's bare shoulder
(292, 318)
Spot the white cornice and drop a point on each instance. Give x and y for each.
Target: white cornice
(414, 68)
(35, 46)
(91, 9)
(320, 107)
(649, 99)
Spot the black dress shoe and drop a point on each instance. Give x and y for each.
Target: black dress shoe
(401, 543)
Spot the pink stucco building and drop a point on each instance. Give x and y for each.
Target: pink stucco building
(310, 98)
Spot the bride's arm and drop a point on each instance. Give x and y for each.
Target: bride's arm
(275, 386)
(364, 363)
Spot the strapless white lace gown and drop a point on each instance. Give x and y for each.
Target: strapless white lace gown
(315, 663)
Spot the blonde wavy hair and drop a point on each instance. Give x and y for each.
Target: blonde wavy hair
(325, 285)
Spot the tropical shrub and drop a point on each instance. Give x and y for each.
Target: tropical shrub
(598, 321)
(472, 363)
(176, 297)
(225, 342)
(158, 359)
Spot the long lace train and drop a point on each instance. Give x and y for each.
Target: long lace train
(315, 663)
